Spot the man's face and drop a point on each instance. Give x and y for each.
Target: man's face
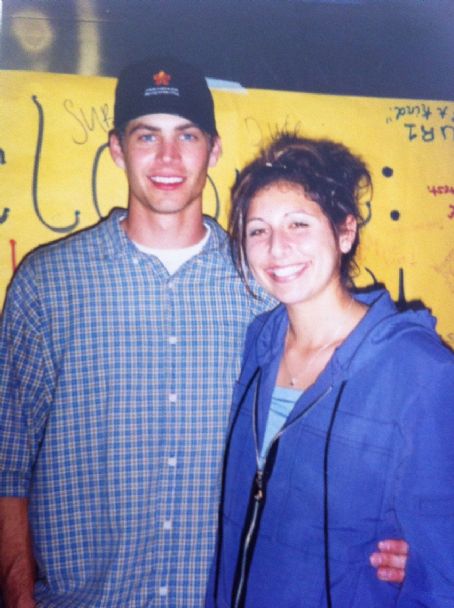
(166, 159)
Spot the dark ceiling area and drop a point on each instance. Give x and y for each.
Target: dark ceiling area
(402, 49)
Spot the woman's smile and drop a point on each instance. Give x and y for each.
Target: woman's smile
(284, 274)
(291, 247)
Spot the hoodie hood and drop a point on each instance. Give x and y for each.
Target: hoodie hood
(382, 324)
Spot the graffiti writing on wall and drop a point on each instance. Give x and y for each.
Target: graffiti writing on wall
(5, 212)
(424, 122)
(88, 121)
(57, 177)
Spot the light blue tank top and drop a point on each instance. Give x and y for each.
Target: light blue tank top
(282, 402)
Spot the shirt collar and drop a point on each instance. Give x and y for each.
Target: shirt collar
(118, 244)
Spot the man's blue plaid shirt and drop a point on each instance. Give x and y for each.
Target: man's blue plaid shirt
(115, 387)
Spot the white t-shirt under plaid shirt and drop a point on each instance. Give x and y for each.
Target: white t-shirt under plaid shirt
(115, 387)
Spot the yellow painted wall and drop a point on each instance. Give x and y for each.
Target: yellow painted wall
(56, 176)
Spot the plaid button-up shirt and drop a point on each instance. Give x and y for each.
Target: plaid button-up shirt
(115, 387)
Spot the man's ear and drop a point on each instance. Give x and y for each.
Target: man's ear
(347, 233)
(216, 152)
(116, 150)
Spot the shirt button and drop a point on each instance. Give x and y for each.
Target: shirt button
(163, 591)
(167, 524)
(172, 461)
(173, 397)
(173, 339)
(135, 261)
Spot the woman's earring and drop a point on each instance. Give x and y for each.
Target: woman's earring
(345, 245)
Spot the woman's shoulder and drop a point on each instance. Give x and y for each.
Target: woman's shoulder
(406, 353)
(395, 333)
(413, 335)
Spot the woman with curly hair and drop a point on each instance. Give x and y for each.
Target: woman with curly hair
(341, 428)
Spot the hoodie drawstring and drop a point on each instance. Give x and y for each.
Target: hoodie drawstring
(329, 602)
(257, 501)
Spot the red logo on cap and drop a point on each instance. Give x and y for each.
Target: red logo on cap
(161, 79)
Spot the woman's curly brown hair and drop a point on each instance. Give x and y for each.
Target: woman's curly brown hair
(329, 174)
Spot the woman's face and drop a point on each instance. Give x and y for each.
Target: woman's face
(291, 247)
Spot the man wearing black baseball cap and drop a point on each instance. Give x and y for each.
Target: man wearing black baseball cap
(164, 85)
(120, 348)
(125, 340)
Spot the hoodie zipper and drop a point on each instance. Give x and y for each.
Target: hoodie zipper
(259, 492)
(258, 500)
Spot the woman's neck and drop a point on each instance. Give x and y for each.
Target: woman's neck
(314, 324)
(314, 332)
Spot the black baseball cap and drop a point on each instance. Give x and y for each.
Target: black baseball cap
(164, 85)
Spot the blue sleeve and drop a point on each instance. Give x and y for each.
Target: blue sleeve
(24, 391)
(424, 489)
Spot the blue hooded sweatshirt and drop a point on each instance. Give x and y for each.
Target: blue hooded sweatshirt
(367, 453)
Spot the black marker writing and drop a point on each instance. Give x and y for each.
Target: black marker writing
(87, 121)
(39, 145)
(414, 131)
(368, 217)
(94, 178)
(416, 110)
(424, 123)
(4, 216)
(401, 300)
(217, 208)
